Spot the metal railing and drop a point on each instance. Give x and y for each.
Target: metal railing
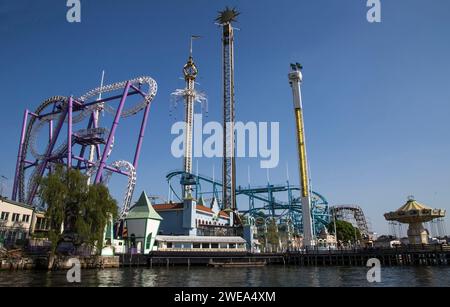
(359, 250)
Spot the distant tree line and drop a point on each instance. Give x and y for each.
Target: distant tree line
(346, 232)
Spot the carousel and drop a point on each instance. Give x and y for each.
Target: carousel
(415, 214)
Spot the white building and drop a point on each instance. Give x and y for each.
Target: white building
(18, 221)
(200, 244)
(326, 240)
(192, 218)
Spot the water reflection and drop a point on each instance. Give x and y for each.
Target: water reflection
(270, 276)
(425, 276)
(109, 278)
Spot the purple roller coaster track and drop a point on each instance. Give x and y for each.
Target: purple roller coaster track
(85, 146)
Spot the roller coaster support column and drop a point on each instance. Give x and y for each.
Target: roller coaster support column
(19, 155)
(101, 167)
(50, 131)
(47, 156)
(295, 79)
(141, 136)
(69, 133)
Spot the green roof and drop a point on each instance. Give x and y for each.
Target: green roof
(143, 209)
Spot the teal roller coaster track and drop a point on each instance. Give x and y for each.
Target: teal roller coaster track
(263, 202)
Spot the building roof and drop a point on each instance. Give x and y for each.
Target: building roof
(199, 239)
(324, 232)
(411, 204)
(143, 209)
(15, 203)
(204, 209)
(167, 207)
(224, 214)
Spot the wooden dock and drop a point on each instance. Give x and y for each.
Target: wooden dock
(200, 259)
(421, 255)
(426, 256)
(239, 264)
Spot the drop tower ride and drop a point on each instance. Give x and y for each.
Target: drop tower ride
(225, 20)
(295, 80)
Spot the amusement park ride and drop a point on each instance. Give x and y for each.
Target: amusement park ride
(295, 80)
(190, 97)
(76, 139)
(225, 19)
(263, 202)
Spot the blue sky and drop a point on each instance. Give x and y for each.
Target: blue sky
(376, 96)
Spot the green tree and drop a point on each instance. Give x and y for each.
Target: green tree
(345, 231)
(83, 210)
(98, 209)
(272, 233)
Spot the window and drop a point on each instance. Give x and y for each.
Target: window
(41, 223)
(25, 218)
(4, 216)
(196, 245)
(232, 245)
(205, 245)
(149, 239)
(214, 245)
(223, 245)
(169, 244)
(15, 217)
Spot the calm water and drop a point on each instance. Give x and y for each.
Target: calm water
(271, 276)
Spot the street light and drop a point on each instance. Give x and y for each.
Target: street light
(265, 235)
(335, 229)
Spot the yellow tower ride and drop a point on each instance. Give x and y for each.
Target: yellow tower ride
(295, 80)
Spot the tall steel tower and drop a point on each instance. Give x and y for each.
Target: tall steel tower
(190, 72)
(225, 19)
(295, 80)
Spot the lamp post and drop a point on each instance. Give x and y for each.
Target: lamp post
(265, 235)
(335, 229)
